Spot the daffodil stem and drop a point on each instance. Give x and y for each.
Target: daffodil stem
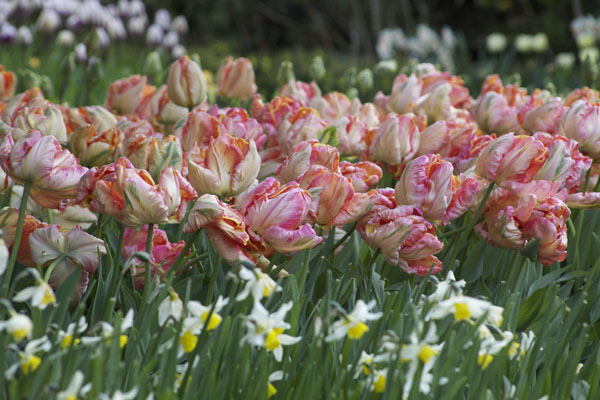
(147, 269)
(15, 247)
(178, 262)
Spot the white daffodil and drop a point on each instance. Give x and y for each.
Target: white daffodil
(266, 329)
(353, 324)
(447, 288)
(365, 364)
(379, 381)
(171, 306)
(75, 388)
(41, 294)
(258, 284)
(465, 308)
(67, 338)
(490, 345)
(420, 352)
(199, 318)
(118, 395)
(29, 360)
(523, 346)
(18, 325)
(108, 331)
(273, 377)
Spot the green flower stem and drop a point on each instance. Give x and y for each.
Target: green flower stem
(147, 269)
(455, 248)
(52, 266)
(346, 236)
(15, 247)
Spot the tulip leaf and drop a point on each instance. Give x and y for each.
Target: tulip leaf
(531, 249)
(472, 267)
(329, 136)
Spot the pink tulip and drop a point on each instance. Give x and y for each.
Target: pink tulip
(98, 116)
(162, 256)
(226, 168)
(466, 157)
(8, 223)
(304, 155)
(494, 115)
(162, 108)
(271, 114)
(198, 128)
(366, 112)
(405, 239)
(511, 157)
(236, 78)
(331, 106)
(396, 141)
(543, 117)
(278, 214)
(17, 103)
(301, 91)
(434, 139)
(186, 83)
(125, 95)
(581, 122)
(458, 95)
(351, 131)
(585, 93)
(406, 90)
(131, 197)
(153, 154)
(93, 148)
(78, 249)
(8, 83)
(238, 123)
(304, 125)
(53, 172)
(334, 203)
(41, 116)
(362, 175)
(227, 230)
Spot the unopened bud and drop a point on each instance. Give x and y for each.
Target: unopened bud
(285, 73)
(317, 68)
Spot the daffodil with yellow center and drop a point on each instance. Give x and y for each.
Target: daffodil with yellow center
(188, 341)
(271, 390)
(484, 360)
(426, 352)
(30, 363)
(461, 312)
(379, 384)
(353, 324)
(214, 321)
(68, 341)
(272, 339)
(357, 330)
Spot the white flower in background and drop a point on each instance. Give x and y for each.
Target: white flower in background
(490, 346)
(273, 377)
(170, 40)
(447, 288)
(465, 308)
(137, 26)
(495, 42)
(107, 331)
(154, 35)
(162, 18)
(539, 42)
(48, 21)
(353, 324)
(565, 61)
(266, 330)
(41, 294)
(388, 39)
(258, 284)
(379, 381)
(24, 36)
(178, 51)
(67, 338)
(75, 388)
(592, 52)
(81, 53)
(180, 25)
(29, 360)
(585, 39)
(523, 346)
(65, 39)
(199, 317)
(171, 306)
(118, 395)
(18, 325)
(523, 43)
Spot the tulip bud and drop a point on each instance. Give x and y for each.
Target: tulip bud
(48, 21)
(154, 35)
(285, 73)
(24, 36)
(180, 25)
(186, 83)
(348, 79)
(81, 53)
(236, 79)
(316, 70)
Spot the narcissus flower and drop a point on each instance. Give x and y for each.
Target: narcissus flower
(199, 318)
(125, 95)
(75, 388)
(226, 168)
(41, 294)
(465, 308)
(258, 284)
(396, 140)
(236, 78)
(278, 214)
(29, 359)
(171, 306)
(18, 325)
(186, 83)
(107, 331)
(53, 172)
(353, 324)
(405, 238)
(266, 329)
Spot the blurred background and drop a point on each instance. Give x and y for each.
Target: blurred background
(62, 44)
